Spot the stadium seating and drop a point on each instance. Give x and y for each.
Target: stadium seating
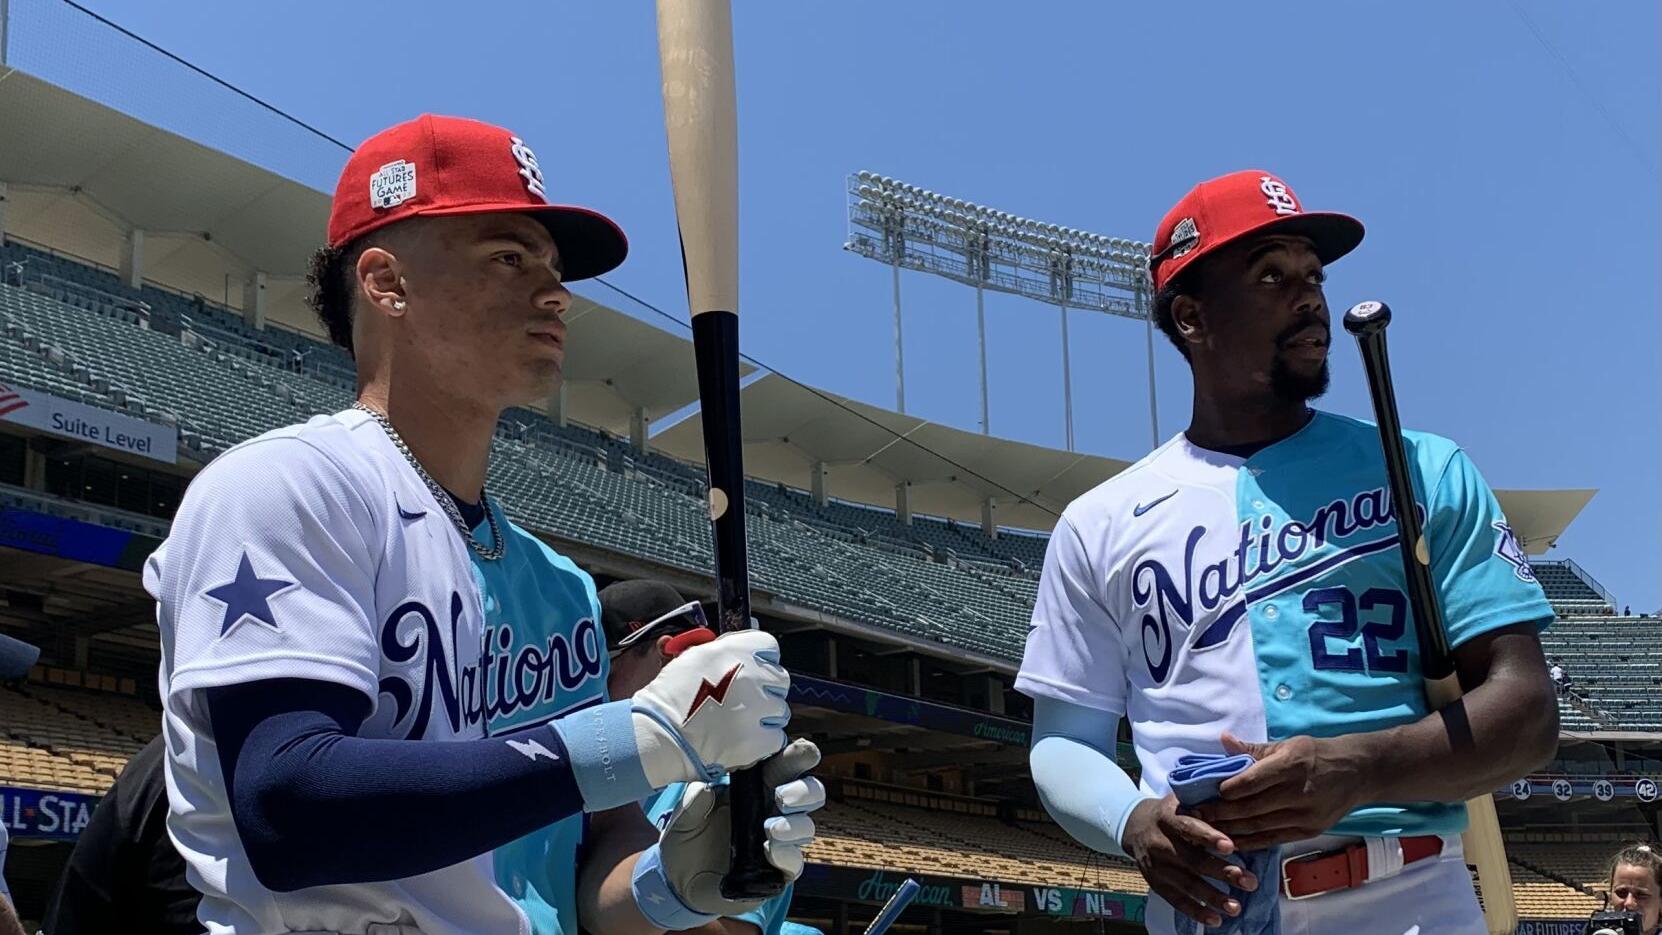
(1569, 591)
(1559, 877)
(45, 745)
(1615, 669)
(867, 834)
(75, 332)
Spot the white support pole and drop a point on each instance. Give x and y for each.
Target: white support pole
(253, 299)
(995, 694)
(817, 482)
(988, 524)
(557, 405)
(637, 429)
(903, 502)
(34, 469)
(899, 347)
(1153, 407)
(3, 193)
(132, 259)
(1067, 379)
(981, 342)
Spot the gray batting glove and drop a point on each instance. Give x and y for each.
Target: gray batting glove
(678, 882)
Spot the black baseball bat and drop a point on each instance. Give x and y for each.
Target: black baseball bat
(1485, 848)
(1367, 321)
(695, 48)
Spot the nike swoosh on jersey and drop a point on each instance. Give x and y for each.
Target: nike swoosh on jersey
(411, 514)
(533, 749)
(1142, 508)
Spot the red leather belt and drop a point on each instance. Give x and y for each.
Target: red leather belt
(1319, 872)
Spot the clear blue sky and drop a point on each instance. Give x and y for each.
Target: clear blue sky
(1509, 187)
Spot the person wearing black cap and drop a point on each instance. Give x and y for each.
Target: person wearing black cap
(124, 873)
(648, 623)
(1243, 582)
(16, 659)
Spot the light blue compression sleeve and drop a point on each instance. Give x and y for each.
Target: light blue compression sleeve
(1071, 741)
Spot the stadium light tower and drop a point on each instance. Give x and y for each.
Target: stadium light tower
(907, 227)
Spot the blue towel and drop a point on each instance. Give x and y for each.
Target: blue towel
(1195, 780)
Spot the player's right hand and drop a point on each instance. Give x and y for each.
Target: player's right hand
(721, 705)
(1177, 854)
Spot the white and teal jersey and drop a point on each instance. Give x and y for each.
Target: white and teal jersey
(1197, 593)
(543, 657)
(769, 917)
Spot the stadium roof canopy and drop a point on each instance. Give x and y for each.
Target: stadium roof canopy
(81, 175)
(867, 452)
(1539, 517)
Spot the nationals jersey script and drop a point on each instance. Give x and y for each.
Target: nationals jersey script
(1198, 593)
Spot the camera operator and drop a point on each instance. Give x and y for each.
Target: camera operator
(1634, 900)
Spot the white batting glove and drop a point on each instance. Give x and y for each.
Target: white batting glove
(677, 883)
(716, 707)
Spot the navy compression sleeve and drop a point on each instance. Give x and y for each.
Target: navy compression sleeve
(315, 805)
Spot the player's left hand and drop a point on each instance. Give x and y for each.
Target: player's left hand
(693, 854)
(1299, 788)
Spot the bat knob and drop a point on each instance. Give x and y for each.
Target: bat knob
(1365, 318)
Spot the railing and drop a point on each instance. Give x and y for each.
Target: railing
(1585, 578)
(90, 293)
(97, 514)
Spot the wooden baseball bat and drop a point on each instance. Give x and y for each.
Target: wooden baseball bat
(695, 48)
(1484, 847)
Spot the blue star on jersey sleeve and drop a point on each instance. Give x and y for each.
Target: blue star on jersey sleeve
(247, 595)
(268, 573)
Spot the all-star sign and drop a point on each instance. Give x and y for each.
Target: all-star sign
(89, 424)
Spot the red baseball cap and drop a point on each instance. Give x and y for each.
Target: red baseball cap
(1232, 206)
(434, 166)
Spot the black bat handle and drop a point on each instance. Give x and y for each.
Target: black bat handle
(1436, 661)
(716, 349)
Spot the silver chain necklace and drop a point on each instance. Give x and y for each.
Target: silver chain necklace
(498, 544)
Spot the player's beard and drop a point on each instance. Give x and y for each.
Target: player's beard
(1295, 387)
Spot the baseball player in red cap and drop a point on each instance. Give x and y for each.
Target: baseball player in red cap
(1238, 595)
(371, 678)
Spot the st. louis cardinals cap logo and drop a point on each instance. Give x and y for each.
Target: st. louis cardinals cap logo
(528, 167)
(707, 692)
(1275, 191)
